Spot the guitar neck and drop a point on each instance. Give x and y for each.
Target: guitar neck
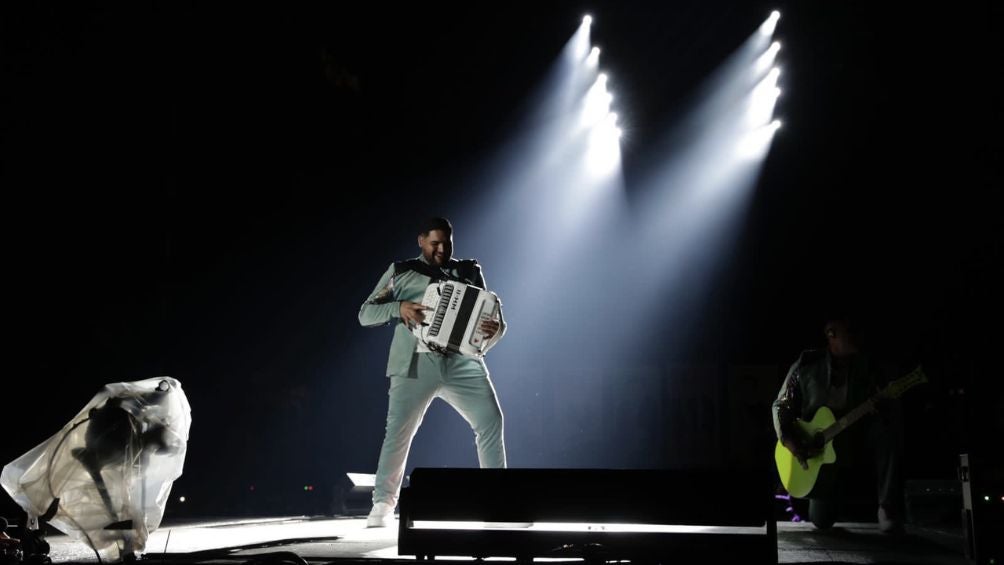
(847, 420)
(892, 390)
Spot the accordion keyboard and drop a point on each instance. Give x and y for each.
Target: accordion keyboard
(444, 303)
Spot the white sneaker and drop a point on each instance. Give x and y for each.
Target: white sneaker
(380, 516)
(888, 524)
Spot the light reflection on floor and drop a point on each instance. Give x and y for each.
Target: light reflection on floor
(353, 538)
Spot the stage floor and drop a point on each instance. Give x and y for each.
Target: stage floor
(325, 539)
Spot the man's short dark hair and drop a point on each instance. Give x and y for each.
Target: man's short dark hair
(436, 224)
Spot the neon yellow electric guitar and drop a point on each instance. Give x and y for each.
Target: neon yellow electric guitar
(798, 481)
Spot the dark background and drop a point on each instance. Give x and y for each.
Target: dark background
(210, 192)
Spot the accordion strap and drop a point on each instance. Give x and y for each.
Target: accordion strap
(465, 269)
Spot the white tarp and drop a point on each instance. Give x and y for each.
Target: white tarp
(110, 468)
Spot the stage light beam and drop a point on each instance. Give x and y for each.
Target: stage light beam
(578, 47)
(768, 27)
(597, 102)
(762, 100)
(766, 60)
(755, 143)
(603, 153)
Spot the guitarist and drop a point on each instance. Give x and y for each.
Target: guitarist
(841, 377)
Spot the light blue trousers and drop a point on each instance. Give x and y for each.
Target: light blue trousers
(464, 384)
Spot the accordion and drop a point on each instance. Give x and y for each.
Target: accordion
(454, 324)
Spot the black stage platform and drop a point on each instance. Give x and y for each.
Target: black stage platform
(346, 539)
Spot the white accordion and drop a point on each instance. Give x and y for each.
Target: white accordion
(454, 323)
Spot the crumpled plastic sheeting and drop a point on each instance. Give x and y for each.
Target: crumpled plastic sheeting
(108, 473)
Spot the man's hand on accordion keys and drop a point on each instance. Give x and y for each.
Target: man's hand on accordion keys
(413, 313)
(490, 328)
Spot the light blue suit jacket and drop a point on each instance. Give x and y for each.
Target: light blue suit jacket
(383, 306)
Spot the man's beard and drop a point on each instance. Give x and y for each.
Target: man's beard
(433, 260)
